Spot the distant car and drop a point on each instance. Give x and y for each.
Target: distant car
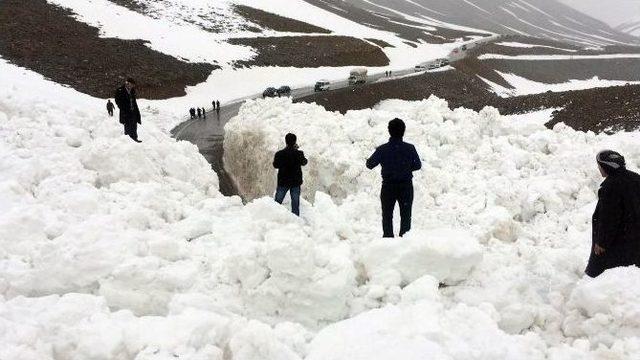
(420, 68)
(434, 66)
(269, 92)
(322, 85)
(445, 62)
(284, 90)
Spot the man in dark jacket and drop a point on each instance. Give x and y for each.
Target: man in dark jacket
(289, 162)
(218, 106)
(398, 159)
(192, 112)
(110, 107)
(129, 113)
(616, 220)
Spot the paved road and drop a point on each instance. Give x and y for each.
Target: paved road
(208, 134)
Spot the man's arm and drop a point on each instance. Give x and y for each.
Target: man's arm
(610, 222)
(416, 164)
(277, 161)
(303, 160)
(373, 160)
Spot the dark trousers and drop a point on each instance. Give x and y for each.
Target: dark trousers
(131, 129)
(281, 191)
(110, 112)
(403, 195)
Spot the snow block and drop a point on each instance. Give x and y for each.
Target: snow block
(446, 254)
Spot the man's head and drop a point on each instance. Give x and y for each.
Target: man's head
(290, 139)
(609, 162)
(396, 128)
(130, 83)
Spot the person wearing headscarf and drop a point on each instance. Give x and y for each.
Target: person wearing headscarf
(616, 219)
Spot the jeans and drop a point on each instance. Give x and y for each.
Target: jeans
(281, 191)
(403, 195)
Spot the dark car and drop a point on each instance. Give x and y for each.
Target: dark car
(284, 91)
(269, 92)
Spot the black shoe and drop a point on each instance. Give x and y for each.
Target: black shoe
(136, 140)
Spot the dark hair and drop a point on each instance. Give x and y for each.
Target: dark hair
(131, 80)
(290, 139)
(610, 161)
(396, 128)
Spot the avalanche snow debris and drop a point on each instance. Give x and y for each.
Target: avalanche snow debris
(116, 250)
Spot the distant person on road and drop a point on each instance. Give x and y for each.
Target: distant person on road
(213, 103)
(204, 113)
(199, 112)
(398, 159)
(289, 162)
(218, 106)
(616, 219)
(110, 107)
(192, 112)
(125, 98)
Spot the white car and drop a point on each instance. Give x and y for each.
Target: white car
(420, 68)
(322, 85)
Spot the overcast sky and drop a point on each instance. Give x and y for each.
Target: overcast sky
(613, 12)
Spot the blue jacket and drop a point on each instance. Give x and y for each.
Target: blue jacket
(398, 158)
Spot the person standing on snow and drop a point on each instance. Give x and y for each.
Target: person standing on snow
(289, 162)
(129, 113)
(192, 112)
(398, 159)
(616, 220)
(110, 107)
(204, 113)
(218, 106)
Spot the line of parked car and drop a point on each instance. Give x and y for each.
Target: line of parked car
(273, 92)
(438, 63)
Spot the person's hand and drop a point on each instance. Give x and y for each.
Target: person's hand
(598, 250)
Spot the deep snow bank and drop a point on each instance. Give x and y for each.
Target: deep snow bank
(116, 250)
(525, 192)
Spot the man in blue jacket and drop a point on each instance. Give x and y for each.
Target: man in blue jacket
(398, 159)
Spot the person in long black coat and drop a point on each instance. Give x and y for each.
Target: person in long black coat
(289, 162)
(616, 220)
(129, 113)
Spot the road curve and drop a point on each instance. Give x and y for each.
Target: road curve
(208, 134)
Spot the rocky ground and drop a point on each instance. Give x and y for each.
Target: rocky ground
(46, 39)
(275, 22)
(616, 108)
(312, 51)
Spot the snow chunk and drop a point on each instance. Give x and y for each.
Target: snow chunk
(446, 254)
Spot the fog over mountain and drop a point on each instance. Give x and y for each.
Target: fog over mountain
(623, 15)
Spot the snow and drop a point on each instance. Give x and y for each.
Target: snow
(524, 86)
(115, 250)
(558, 57)
(183, 41)
(522, 192)
(529, 46)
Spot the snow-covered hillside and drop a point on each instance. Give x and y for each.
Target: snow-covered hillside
(540, 18)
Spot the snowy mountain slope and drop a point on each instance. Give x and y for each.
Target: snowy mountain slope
(542, 18)
(630, 27)
(623, 15)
